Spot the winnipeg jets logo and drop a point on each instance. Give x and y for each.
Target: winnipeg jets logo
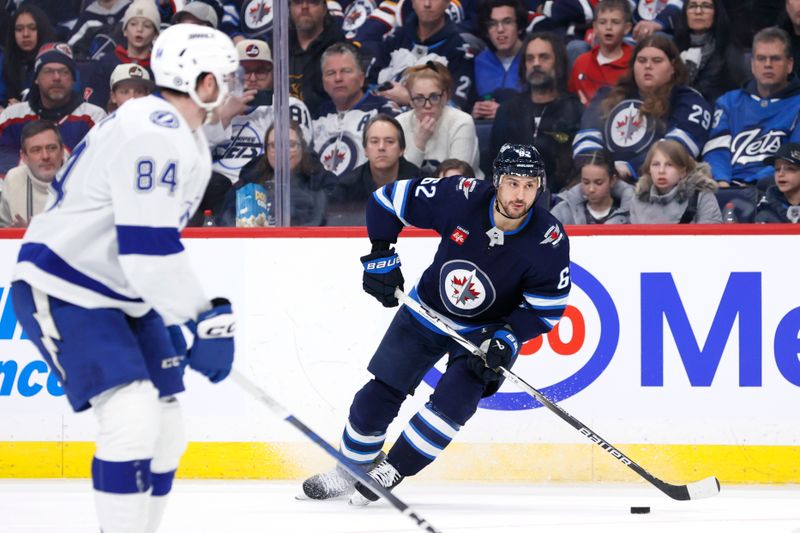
(751, 147)
(257, 15)
(467, 185)
(648, 9)
(627, 127)
(355, 14)
(339, 154)
(464, 288)
(553, 236)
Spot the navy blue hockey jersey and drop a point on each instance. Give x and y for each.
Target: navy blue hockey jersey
(523, 282)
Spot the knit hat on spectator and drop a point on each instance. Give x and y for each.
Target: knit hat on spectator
(200, 11)
(145, 9)
(129, 71)
(54, 53)
(789, 152)
(253, 50)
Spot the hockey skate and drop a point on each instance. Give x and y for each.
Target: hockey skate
(336, 483)
(384, 474)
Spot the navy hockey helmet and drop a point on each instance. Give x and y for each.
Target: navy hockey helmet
(519, 160)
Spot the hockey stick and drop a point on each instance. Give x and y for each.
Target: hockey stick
(279, 410)
(699, 489)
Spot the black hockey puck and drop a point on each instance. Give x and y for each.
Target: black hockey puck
(640, 510)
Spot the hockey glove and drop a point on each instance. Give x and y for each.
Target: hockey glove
(212, 351)
(500, 350)
(382, 276)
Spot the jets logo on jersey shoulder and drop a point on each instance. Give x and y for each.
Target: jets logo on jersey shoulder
(627, 127)
(166, 119)
(648, 9)
(467, 185)
(257, 16)
(355, 15)
(465, 289)
(339, 154)
(553, 236)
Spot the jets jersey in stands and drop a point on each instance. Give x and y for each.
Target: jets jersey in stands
(338, 136)
(628, 134)
(110, 234)
(364, 22)
(523, 282)
(747, 129)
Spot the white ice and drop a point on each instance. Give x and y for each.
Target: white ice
(66, 506)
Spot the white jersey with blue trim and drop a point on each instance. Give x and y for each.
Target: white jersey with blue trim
(110, 234)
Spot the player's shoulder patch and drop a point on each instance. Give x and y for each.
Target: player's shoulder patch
(553, 235)
(466, 185)
(165, 119)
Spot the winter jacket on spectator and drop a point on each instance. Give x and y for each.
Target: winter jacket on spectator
(572, 209)
(96, 26)
(588, 75)
(391, 14)
(566, 17)
(492, 78)
(650, 207)
(774, 207)
(26, 72)
(305, 72)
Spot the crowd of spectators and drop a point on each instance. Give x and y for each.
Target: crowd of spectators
(645, 111)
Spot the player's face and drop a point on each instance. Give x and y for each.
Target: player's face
(700, 15)
(610, 27)
(516, 194)
(787, 178)
(503, 30)
(665, 173)
(55, 83)
(43, 154)
(596, 184)
(126, 90)
(770, 64)
(652, 69)
(25, 33)
(342, 80)
(540, 64)
(295, 149)
(140, 33)
(383, 146)
(425, 91)
(308, 15)
(257, 75)
(430, 11)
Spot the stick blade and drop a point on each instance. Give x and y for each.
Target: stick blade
(705, 488)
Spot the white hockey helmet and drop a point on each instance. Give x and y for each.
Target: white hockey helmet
(184, 51)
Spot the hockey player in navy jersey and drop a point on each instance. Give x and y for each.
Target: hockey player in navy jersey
(103, 287)
(500, 277)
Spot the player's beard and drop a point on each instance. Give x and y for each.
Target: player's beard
(503, 209)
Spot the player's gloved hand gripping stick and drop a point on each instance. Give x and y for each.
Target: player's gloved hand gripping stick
(208, 341)
(692, 491)
(382, 274)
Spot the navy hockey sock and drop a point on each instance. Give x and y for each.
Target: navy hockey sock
(373, 409)
(427, 434)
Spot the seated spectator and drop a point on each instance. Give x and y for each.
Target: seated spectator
(674, 189)
(30, 28)
(650, 102)
(714, 62)
(428, 35)
(128, 81)
(340, 127)
(781, 203)
(564, 18)
(652, 16)
(608, 60)
(545, 115)
(497, 78)
(52, 98)
(310, 183)
(364, 22)
(26, 186)
(751, 123)
(384, 144)
(97, 28)
(197, 12)
(454, 167)
(599, 197)
(435, 130)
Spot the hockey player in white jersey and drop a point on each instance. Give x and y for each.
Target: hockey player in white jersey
(103, 287)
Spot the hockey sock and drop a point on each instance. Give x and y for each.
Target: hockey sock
(170, 446)
(121, 494)
(373, 409)
(162, 485)
(427, 434)
(360, 448)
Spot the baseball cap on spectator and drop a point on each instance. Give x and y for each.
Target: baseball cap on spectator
(789, 152)
(253, 50)
(145, 9)
(54, 53)
(130, 72)
(200, 11)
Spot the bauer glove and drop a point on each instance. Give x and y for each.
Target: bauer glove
(500, 349)
(382, 275)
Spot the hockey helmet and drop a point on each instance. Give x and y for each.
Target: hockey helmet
(519, 160)
(185, 51)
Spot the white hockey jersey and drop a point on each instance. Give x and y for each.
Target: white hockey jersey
(110, 233)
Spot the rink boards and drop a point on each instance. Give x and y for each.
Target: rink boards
(682, 349)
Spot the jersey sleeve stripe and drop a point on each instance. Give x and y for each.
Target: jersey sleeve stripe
(538, 301)
(723, 141)
(383, 200)
(143, 240)
(684, 138)
(48, 261)
(399, 197)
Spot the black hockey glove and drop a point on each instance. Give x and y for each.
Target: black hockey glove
(500, 350)
(382, 275)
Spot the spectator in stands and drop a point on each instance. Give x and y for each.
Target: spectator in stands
(312, 31)
(428, 35)
(653, 16)
(30, 29)
(454, 167)
(384, 144)
(599, 197)
(127, 82)
(310, 183)
(565, 18)
(97, 26)
(608, 60)
(502, 23)
(715, 63)
(650, 102)
(51, 98)
(674, 188)
(25, 191)
(340, 127)
(751, 123)
(791, 24)
(197, 12)
(545, 115)
(781, 203)
(436, 131)
(365, 22)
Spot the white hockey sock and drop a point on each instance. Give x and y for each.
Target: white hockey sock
(169, 448)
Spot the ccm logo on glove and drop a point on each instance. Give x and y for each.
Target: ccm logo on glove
(216, 327)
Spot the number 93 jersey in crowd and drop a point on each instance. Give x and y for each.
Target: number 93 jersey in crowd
(480, 276)
(110, 234)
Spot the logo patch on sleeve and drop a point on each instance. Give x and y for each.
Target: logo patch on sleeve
(552, 236)
(166, 119)
(467, 185)
(459, 235)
